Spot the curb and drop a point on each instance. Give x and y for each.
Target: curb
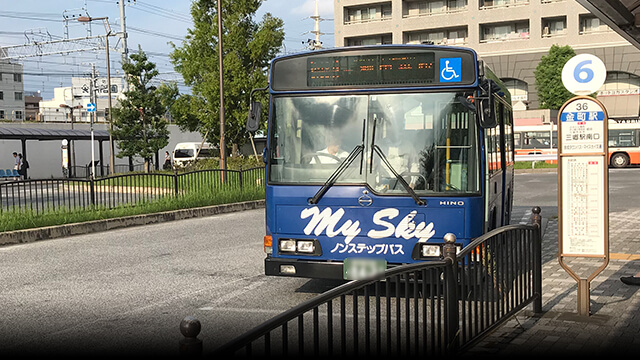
(541, 170)
(52, 232)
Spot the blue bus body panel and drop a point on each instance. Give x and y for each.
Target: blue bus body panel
(389, 228)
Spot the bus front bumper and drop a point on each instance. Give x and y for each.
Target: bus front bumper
(303, 268)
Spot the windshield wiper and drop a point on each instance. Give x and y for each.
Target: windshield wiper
(399, 177)
(334, 177)
(359, 149)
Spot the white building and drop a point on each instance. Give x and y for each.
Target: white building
(76, 97)
(11, 92)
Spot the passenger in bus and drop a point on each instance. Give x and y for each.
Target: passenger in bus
(332, 154)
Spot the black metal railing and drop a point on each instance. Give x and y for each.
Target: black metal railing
(84, 171)
(438, 307)
(42, 195)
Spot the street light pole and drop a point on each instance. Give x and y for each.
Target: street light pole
(108, 30)
(94, 98)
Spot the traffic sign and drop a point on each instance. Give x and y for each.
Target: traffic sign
(584, 74)
(91, 107)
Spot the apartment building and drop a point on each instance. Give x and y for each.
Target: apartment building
(11, 92)
(509, 35)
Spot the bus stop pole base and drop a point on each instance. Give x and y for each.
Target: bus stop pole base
(583, 297)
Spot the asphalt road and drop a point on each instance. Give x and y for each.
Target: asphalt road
(126, 291)
(541, 189)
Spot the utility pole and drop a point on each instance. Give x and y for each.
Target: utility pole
(123, 50)
(223, 160)
(316, 43)
(123, 33)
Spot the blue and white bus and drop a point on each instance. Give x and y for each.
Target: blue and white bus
(374, 153)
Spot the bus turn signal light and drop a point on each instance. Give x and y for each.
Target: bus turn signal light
(268, 241)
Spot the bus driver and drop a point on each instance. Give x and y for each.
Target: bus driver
(332, 154)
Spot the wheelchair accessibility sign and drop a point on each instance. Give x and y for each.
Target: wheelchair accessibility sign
(450, 69)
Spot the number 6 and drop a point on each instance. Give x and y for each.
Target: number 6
(582, 68)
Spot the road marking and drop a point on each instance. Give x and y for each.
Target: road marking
(526, 217)
(620, 256)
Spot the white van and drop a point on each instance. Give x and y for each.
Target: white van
(185, 152)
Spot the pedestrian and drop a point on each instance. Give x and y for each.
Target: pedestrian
(16, 166)
(631, 280)
(24, 165)
(167, 161)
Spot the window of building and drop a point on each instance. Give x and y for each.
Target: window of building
(620, 83)
(18, 115)
(2, 114)
(554, 26)
(440, 37)
(18, 96)
(369, 40)
(591, 24)
(519, 89)
(484, 4)
(17, 77)
(432, 7)
(1, 95)
(373, 12)
(505, 31)
(619, 94)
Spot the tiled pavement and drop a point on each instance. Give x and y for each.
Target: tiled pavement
(613, 328)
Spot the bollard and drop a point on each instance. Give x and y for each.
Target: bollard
(536, 218)
(190, 328)
(450, 250)
(452, 326)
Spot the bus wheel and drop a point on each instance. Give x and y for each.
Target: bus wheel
(619, 160)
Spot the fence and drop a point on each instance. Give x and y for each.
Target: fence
(84, 171)
(43, 195)
(438, 308)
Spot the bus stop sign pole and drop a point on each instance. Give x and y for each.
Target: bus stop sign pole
(583, 189)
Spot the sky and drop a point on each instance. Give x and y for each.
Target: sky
(150, 24)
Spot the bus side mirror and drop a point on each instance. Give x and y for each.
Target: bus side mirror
(487, 109)
(487, 113)
(253, 121)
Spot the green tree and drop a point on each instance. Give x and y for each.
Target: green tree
(551, 92)
(247, 49)
(139, 126)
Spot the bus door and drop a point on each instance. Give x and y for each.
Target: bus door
(493, 174)
(507, 163)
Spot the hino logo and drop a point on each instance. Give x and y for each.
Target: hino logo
(452, 202)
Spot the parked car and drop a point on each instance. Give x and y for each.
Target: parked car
(186, 152)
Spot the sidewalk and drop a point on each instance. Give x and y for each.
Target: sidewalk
(613, 328)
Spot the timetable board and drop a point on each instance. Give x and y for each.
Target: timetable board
(583, 205)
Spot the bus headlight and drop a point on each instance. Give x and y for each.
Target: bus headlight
(305, 246)
(287, 245)
(300, 246)
(430, 250)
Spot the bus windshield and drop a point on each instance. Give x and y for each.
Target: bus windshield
(429, 140)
